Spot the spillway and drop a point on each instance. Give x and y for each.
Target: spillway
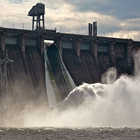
(83, 68)
(59, 78)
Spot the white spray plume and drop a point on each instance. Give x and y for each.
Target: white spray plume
(109, 76)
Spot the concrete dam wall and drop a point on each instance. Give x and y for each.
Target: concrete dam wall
(89, 68)
(71, 60)
(28, 67)
(82, 68)
(25, 79)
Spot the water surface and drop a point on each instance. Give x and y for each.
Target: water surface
(50, 133)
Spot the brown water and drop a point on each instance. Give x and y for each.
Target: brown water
(45, 133)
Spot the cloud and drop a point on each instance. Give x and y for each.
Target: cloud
(117, 17)
(15, 1)
(121, 9)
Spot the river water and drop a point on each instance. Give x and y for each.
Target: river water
(45, 133)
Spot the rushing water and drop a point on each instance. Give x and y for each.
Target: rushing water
(53, 88)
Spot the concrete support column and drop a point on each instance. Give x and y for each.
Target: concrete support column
(33, 23)
(59, 43)
(2, 41)
(40, 43)
(93, 48)
(129, 48)
(21, 41)
(112, 52)
(76, 45)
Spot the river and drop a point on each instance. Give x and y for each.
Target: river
(46, 133)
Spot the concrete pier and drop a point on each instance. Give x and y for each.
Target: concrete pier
(112, 52)
(2, 41)
(21, 41)
(76, 46)
(59, 42)
(93, 48)
(129, 49)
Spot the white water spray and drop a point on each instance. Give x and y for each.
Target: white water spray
(112, 104)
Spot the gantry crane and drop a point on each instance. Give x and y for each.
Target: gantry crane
(37, 12)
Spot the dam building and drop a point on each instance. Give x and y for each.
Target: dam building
(86, 57)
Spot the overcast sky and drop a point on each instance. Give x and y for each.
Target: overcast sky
(115, 18)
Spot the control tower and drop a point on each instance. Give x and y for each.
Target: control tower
(37, 12)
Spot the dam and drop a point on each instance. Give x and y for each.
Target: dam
(72, 59)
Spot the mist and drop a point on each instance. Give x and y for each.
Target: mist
(113, 103)
(95, 105)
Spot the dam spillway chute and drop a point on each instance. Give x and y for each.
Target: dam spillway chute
(58, 80)
(50, 84)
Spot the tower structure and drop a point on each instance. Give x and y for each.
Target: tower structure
(3, 76)
(92, 29)
(95, 28)
(37, 12)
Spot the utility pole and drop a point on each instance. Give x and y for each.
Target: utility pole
(3, 75)
(3, 81)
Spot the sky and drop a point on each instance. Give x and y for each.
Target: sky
(115, 18)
